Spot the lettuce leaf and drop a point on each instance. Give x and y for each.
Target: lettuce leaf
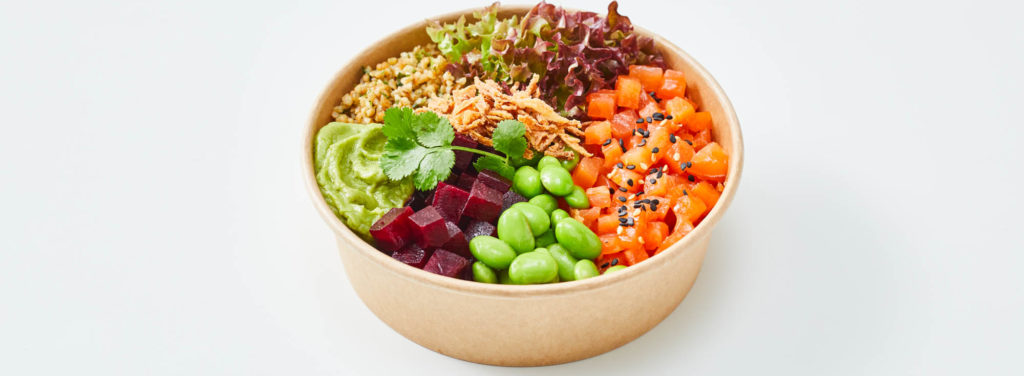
(575, 53)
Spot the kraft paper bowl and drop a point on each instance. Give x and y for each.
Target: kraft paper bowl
(524, 325)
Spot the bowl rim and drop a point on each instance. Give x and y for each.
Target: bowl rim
(364, 249)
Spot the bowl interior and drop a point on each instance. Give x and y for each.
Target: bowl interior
(701, 88)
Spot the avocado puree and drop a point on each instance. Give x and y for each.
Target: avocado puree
(347, 166)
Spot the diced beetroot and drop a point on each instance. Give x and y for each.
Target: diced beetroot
(463, 158)
(484, 202)
(466, 180)
(476, 228)
(420, 199)
(412, 254)
(510, 198)
(446, 263)
(449, 201)
(456, 240)
(495, 181)
(428, 227)
(391, 231)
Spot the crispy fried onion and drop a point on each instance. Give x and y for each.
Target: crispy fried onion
(478, 108)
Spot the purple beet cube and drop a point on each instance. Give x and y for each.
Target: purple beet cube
(495, 181)
(466, 180)
(391, 231)
(463, 158)
(510, 198)
(484, 202)
(477, 228)
(412, 254)
(449, 201)
(456, 240)
(428, 227)
(446, 263)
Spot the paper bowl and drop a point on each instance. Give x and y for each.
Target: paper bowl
(513, 325)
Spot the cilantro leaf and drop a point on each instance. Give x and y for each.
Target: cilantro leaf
(401, 157)
(508, 138)
(488, 162)
(432, 130)
(398, 123)
(435, 166)
(420, 145)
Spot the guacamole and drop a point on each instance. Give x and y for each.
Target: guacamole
(346, 162)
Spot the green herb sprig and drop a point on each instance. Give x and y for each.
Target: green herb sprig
(420, 145)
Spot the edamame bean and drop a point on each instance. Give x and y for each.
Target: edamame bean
(533, 267)
(612, 269)
(558, 215)
(570, 164)
(578, 239)
(585, 269)
(566, 263)
(526, 182)
(535, 216)
(548, 161)
(545, 201)
(484, 273)
(514, 230)
(556, 180)
(492, 251)
(545, 240)
(578, 198)
(546, 252)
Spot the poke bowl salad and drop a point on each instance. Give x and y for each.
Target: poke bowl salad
(548, 147)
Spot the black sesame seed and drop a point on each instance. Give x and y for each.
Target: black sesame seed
(655, 150)
(622, 214)
(655, 202)
(682, 166)
(660, 174)
(689, 142)
(650, 120)
(622, 145)
(639, 121)
(644, 201)
(653, 180)
(623, 199)
(629, 182)
(623, 220)
(609, 141)
(623, 189)
(619, 165)
(690, 178)
(615, 262)
(611, 190)
(668, 117)
(672, 137)
(642, 142)
(685, 194)
(654, 207)
(605, 265)
(637, 205)
(630, 167)
(689, 164)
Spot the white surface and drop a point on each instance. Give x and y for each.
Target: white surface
(154, 220)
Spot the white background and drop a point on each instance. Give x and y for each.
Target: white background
(154, 221)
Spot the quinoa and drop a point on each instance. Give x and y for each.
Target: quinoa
(408, 80)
